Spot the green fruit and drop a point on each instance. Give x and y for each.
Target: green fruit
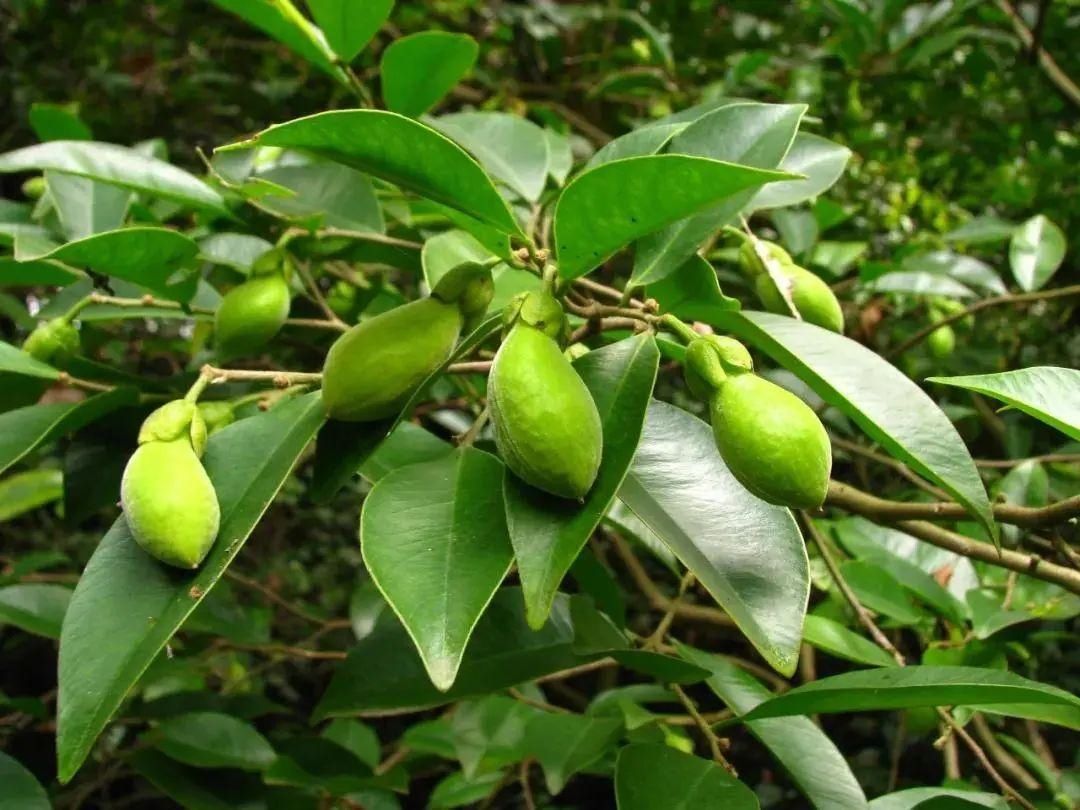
(55, 342)
(920, 721)
(772, 441)
(751, 262)
(373, 369)
(34, 187)
(941, 342)
(546, 424)
(250, 315)
(815, 302)
(710, 359)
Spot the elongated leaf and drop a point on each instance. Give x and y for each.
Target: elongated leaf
(399, 150)
(835, 639)
(604, 209)
(549, 532)
(236, 250)
(118, 165)
(811, 758)
(58, 122)
(457, 790)
(36, 607)
(21, 789)
(567, 743)
(149, 257)
(30, 490)
(982, 230)
(511, 148)
(880, 592)
(692, 292)
(748, 554)
(327, 194)
(349, 25)
(1049, 393)
(748, 134)
(638, 143)
(821, 160)
(418, 70)
(188, 787)
(855, 380)
(435, 542)
(283, 22)
(650, 776)
(85, 206)
(967, 270)
(25, 274)
(919, 797)
(1036, 251)
(560, 155)
(920, 283)
(104, 650)
(16, 361)
(25, 429)
(908, 687)
(213, 740)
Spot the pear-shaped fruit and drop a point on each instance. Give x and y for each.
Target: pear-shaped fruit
(54, 342)
(772, 441)
(709, 360)
(815, 302)
(941, 342)
(750, 261)
(373, 369)
(250, 315)
(547, 428)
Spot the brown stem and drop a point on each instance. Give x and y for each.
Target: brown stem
(313, 287)
(715, 746)
(1065, 85)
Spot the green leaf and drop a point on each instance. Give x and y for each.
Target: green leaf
(748, 554)
(26, 429)
(408, 444)
(692, 292)
(549, 532)
(914, 282)
(649, 776)
(84, 206)
(358, 738)
(188, 787)
(21, 789)
(434, 539)
(398, 150)
(27, 274)
(445, 251)
(815, 764)
(1036, 251)
(606, 208)
(909, 687)
(16, 361)
(560, 156)
(924, 797)
(489, 733)
(418, 70)
(103, 650)
(982, 230)
(636, 143)
(349, 25)
(565, 744)
(57, 122)
(328, 194)
(966, 270)
(1049, 393)
(117, 165)
(512, 149)
(26, 491)
(35, 607)
(749, 134)
(835, 639)
(236, 250)
(150, 257)
(856, 381)
(821, 160)
(213, 740)
(457, 790)
(880, 592)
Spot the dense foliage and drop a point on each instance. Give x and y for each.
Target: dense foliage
(699, 379)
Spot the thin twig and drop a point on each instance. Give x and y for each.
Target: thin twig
(1053, 71)
(715, 746)
(1049, 458)
(282, 379)
(275, 598)
(313, 287)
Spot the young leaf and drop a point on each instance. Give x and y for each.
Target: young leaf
(567, 743)
(418, 70)
(982, 230)
(859, 383)
(813, 761)
(513, 149)
(236, 250)
(349, 25)
(748, 554)
(1048, 393)
(104, 650)
(1036, 251)
(118, 165)
(927, 797)
(908, 687)
(21, 789)
(213, 740)
(398, 150)
(434, 539)
(604, 209)
(835, 639)
(653, 775)
(636, 143)
(549, 532)
(25, 274)
(36, 607)
(821, 161)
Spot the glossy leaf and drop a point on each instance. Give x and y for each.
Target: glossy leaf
(418, 70)
(920, 283)
(1049, 393)
(236, 250)
(21, 789)
(85, 206)
(29, 490)
(878, 591)
(1036, 251)
(604, 209)
(26, 429)
(812, 759)
(565, 744)
(692, 292)
(966, 270)
(512, 149)
(213, 740)
(16, 361)
(908, 687)
(332, 196)
(650, 776)
(457, 790)
(188, 787)
(835, 639)
(283, 22)
(36, 607)
(821, 160)
(398, 150)
(57, 122)
(434, 539)
(913, 798)
(118, 165)
(103, 651)
(549, 532)
(560, 155)
(855, 380)
(349, 25)
(636, 143)
(748, 554)
(982, 230)
(25, 274)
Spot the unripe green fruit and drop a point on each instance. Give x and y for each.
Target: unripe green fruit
(941, 342)
(751, 262)
(54, 342)
(540, 310)
(710, 359)
(169, 502)
(34, 187)
(920, 721)
(216, 415)
(772, 442)
(547, 428)
(373, 369)
(815, 302)
(250, 315)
